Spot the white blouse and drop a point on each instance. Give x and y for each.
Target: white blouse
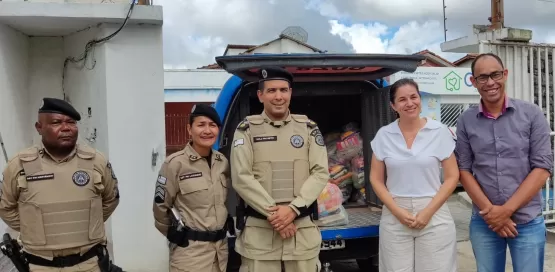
(413, 172)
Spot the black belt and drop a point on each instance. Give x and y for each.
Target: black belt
(206, 236)
(249, 211)
(64, 261)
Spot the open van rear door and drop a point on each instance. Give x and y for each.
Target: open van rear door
(322, 67)
(332, 68)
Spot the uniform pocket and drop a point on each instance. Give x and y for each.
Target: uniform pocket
(32, 225)
(258, 235)
(97, 183)
(96, 219)
(308, 236)
(195, 192)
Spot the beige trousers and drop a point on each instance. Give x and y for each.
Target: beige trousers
(200, 257)
(90, 265)
(431, 249)
(249, 265)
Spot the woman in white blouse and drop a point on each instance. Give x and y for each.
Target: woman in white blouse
(417, 232)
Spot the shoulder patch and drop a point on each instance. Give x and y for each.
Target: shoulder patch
(255, 119)
(86, 152)
(299, 118)
(311, 124)
(174, 155)
(243, 125)
(109, 166)
(29, 154)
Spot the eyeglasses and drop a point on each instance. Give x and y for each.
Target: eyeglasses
(484, 78)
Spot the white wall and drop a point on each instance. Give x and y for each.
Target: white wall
(195, 78)
(45, 75)
(289, 46)
(126, 96)
(13, 95)
(282, 46)
(136, 128)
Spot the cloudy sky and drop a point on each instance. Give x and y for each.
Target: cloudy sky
(196, 31)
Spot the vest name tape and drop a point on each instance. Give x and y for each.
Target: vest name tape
(40, 177)
(190, 176)
(265, 139)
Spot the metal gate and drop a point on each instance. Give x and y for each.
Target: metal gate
(177, 116)
(531, 68)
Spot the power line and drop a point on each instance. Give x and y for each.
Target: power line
(89, 47)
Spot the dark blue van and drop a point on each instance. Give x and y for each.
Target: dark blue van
(332, 90)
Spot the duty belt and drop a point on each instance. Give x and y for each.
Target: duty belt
(249, 211)
(63, 261)
(206, 236)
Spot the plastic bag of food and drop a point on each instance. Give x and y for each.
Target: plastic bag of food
(346, 191)
(357, 168)
(330, 200)
(349, 146)
(338, 218)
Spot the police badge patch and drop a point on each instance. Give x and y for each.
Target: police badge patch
(319, 140)
(297, 141)
(81, 178)
(318, 137)
(112, 171)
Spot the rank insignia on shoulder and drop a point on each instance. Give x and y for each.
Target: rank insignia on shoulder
(243, 125)
(311, 124)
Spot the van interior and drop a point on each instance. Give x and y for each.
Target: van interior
(331, 105)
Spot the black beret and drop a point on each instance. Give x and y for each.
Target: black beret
(274, 73)
(55, 105)
(205, 110)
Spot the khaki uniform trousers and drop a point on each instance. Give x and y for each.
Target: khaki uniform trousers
(90, 265)
(200, 256)
(431, 249)
(249, 265)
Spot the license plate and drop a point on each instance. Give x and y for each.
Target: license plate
(332, 245)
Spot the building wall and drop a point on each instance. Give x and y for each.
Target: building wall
(234, 51)
(195, 78)
(14, 125)
(135, 107)
(121, 101)
(282, 46)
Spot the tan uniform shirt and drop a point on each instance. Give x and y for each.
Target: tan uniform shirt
(196, 190)
(258, 240)
(58, 206)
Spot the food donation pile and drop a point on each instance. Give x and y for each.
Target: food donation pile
(346, 167)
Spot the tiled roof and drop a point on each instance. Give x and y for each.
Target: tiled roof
(438, 58)
(465, 58)
(210, 66)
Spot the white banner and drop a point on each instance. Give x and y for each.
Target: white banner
(440, 80)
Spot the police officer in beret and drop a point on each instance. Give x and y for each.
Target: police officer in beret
(58, 194)
(194, 183)
(279, 166)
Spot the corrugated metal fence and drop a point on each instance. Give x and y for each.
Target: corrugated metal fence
(531, 68)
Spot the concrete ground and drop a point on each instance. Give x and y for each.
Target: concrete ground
(461, 209)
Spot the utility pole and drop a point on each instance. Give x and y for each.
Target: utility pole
(444, 22)
(497, 18)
